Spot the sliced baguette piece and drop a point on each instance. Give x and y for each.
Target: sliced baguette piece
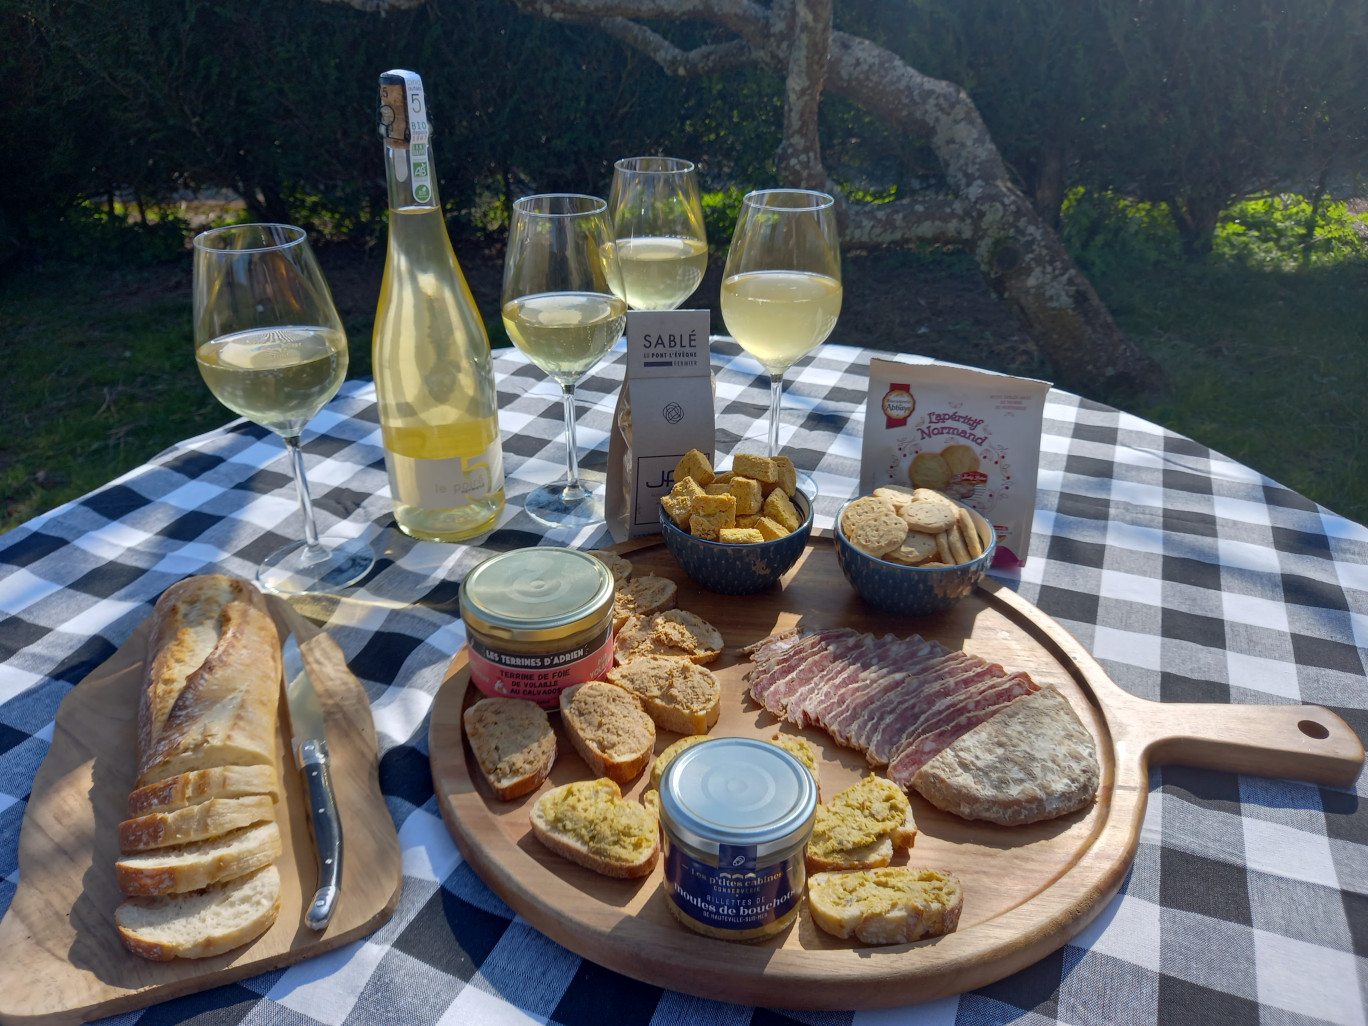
(201, 923)
(190, 867)
(642, 597)
(201, 785)
(590, 823)
(668, 756)
(513, 743)
(609, 729)
(892, 905)
(1032, 760)
(675, 632)
(214, 818)
(861, 826)
(677, 694)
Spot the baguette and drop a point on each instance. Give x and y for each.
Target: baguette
(202, 785)
(677, 694)
(860, 827)
(201, 822)
(213, 680)
(609, 729)
(894, 905)
(201, 923)
(513, 743)
(591, 824)
(190, 867)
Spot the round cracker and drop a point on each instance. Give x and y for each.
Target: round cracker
(878, 534)
(896, 497)
(929, 517)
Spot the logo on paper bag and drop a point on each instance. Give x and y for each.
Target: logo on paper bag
(898, 405)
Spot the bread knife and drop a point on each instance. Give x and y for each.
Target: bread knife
(309, 742)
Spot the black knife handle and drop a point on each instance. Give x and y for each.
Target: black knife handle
(327, 831)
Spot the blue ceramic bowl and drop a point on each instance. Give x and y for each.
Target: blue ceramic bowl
(912, 590)
(731, 569)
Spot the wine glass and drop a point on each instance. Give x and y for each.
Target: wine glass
(657, 216)
(561, 307)
(271, 347)
(781, 286)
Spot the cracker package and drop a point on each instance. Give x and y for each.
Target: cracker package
(665, 409)
(972, 434)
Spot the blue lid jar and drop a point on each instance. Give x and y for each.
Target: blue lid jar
(736, 814)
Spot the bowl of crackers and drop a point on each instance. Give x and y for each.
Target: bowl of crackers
(737, 531)
(913, 552)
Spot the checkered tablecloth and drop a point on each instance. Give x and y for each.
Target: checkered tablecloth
(1189, 576)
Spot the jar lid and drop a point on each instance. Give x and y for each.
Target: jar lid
(539, 593)
(738, 791)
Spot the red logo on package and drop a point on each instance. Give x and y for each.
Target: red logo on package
(898, 405)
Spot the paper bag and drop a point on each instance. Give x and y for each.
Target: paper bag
(665, 409)
(972, 434)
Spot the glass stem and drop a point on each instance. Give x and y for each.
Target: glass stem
(573, 487)
(313, 552)
(776, 394)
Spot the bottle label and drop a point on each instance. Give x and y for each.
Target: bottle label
(403, 123)
(445, 483)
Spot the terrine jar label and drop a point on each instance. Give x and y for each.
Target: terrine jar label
(727, 898)
(537, 621)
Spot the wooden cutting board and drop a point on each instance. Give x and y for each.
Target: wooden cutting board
(1027, 890)
(63, 961)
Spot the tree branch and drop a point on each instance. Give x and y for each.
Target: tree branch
(683, 63)
(806, 24)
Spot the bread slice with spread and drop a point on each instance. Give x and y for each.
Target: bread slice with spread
(609, 728)
(591, 824)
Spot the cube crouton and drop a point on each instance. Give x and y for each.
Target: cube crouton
(706, 505)
(740, 535)
(761, 468)
(788, 474)
(746, 520)
(747, 492)
(687, 487)
(723, 477)
(678, 506)
(717, 489)
(770, 529)
(695, 465)
(709, 526)
(779, 509)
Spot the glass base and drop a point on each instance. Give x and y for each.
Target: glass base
(558, 505)
(807, 485)
(295, 570)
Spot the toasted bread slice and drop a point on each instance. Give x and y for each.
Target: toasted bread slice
(590, 823)
(802, 749)
(675, 632)
(190, 867)
(861, 826)
(609, 729)
(621, 568)
(201, 923)
(894, 905)
(214, 818)
(679, 695)
(667, 756)
(642, 597)
(201, 785)
(513, 743)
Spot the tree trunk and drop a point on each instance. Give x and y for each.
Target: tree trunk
(984, 212)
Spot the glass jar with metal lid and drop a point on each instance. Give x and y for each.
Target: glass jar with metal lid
(538, 620)
(736, 814)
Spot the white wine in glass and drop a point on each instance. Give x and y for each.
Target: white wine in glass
(271, 347)
(562, 308)
(662, 248)
(781, 286)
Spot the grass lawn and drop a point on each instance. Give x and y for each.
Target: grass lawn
(1268, 367)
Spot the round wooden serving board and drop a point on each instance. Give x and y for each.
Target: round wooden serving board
(1027, 890)
(63, 961)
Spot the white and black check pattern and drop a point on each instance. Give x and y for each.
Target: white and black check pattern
(1189, 576)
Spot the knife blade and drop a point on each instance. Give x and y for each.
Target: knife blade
(309, 743)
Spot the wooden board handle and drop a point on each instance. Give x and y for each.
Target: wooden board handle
(1300, 742)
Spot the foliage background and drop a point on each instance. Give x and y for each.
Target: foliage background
(1195, 155)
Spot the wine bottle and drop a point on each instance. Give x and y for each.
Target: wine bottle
(433, 373)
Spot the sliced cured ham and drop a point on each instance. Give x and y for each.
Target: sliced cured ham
(902, 702)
